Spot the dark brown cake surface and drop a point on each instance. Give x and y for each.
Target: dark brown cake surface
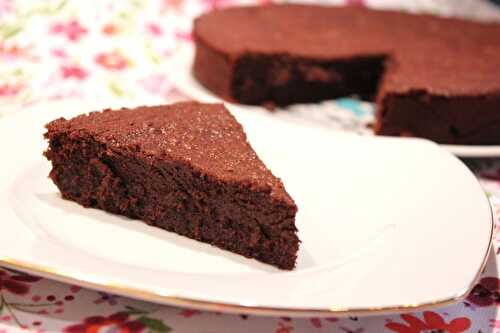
(186, 167)
(285, 54)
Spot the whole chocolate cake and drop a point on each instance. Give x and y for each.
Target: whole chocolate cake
(185, 167)
(431, 77)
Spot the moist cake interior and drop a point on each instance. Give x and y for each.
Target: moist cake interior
(287, 80)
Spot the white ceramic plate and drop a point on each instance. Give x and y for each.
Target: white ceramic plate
(345, 114)
(386, 225)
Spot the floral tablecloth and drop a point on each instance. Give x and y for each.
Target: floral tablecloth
(111, 50)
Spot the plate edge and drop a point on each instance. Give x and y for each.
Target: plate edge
(152, 296)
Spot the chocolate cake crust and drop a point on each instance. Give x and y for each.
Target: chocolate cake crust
(186, 168)
(284, 54)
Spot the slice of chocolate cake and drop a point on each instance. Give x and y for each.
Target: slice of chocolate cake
(433, 77)
(185, 167)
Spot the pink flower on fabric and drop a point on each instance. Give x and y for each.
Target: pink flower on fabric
(494, 323)
(112, 60)
(75, 289)
(486, 292)
(116, 323)
(11, 51)
(214, 4)
(8, 90)
(183, 36)
(154, 29)
(6, 6)
(432, 322)
(283, 328)
(169, 4)
(16, 283)
(316, 322)
(156, 84)
(189, 313)
(59, 53)
(109, 29)
(73, 72)
(72, 30)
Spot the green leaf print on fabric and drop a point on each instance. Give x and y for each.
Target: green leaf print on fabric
(155, 325)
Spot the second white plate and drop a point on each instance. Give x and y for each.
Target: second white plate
(344, 114)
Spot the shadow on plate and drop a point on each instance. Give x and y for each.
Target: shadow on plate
(137, 226)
